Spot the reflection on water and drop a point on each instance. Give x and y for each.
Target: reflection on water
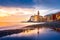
(42, 33)
(31, 32)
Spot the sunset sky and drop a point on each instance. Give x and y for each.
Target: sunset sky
(21, 10)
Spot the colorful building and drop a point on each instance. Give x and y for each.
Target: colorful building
(53, 17)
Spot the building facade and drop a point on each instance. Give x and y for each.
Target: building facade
(53, 17)
(36, 18)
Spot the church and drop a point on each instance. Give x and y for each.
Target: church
(36, 18)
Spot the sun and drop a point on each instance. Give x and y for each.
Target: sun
(3, 13)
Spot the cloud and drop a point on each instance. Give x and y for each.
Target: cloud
(13, 14)
(17, 3)
(48, 3)
(31, 3)
(23, 9)
(49, 11)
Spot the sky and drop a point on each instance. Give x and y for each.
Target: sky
(21, 10)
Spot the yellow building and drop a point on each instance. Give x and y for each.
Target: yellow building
(58, 16)
(36, 18)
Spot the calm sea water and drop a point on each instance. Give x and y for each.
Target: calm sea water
(42, 33)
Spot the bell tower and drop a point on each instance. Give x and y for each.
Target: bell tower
(38, 13)
(38, 16)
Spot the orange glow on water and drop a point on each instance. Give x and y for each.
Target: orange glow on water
(5, 24)
(33, 32)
